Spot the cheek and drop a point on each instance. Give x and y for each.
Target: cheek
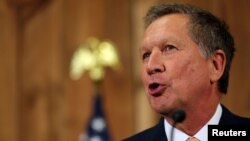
(191, 75)
(198, 71)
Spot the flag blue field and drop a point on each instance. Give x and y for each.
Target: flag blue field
(97, 129)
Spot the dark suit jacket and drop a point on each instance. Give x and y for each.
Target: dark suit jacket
(157, 133)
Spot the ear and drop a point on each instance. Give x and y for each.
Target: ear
(217, 65)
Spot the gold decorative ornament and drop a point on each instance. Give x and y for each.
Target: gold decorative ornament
(94, 56)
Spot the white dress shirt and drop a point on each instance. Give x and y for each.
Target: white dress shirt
(202, 134)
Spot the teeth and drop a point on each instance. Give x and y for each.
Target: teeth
(153, 85)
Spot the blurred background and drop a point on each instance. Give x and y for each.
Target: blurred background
(38, 99)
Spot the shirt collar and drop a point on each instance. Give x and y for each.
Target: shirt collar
(201, 134)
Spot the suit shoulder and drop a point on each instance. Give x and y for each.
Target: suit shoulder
(141, 136)
(230, 118)
(156, 132)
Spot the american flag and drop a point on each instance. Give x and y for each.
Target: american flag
(97, 129)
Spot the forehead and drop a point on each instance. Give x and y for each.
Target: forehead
(170, 27)
(171, 17)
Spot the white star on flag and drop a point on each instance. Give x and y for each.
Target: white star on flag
(97, 129)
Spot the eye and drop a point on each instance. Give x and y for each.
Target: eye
(145, 55)
(168, 48)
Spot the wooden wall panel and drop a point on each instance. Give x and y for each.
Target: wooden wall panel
(41, 96)
(8, 98)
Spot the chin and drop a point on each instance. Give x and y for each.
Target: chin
(162, 112)
(161, 109)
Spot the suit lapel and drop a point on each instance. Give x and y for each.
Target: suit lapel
(159, 132)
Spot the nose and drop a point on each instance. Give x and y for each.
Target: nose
(155, 63)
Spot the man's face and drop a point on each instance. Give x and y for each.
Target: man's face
(175, 73)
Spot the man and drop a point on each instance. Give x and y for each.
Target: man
(186, 55)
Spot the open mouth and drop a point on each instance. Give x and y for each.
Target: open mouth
(156, 89)
(153, 86)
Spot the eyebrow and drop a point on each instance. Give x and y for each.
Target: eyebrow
(163, 41)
